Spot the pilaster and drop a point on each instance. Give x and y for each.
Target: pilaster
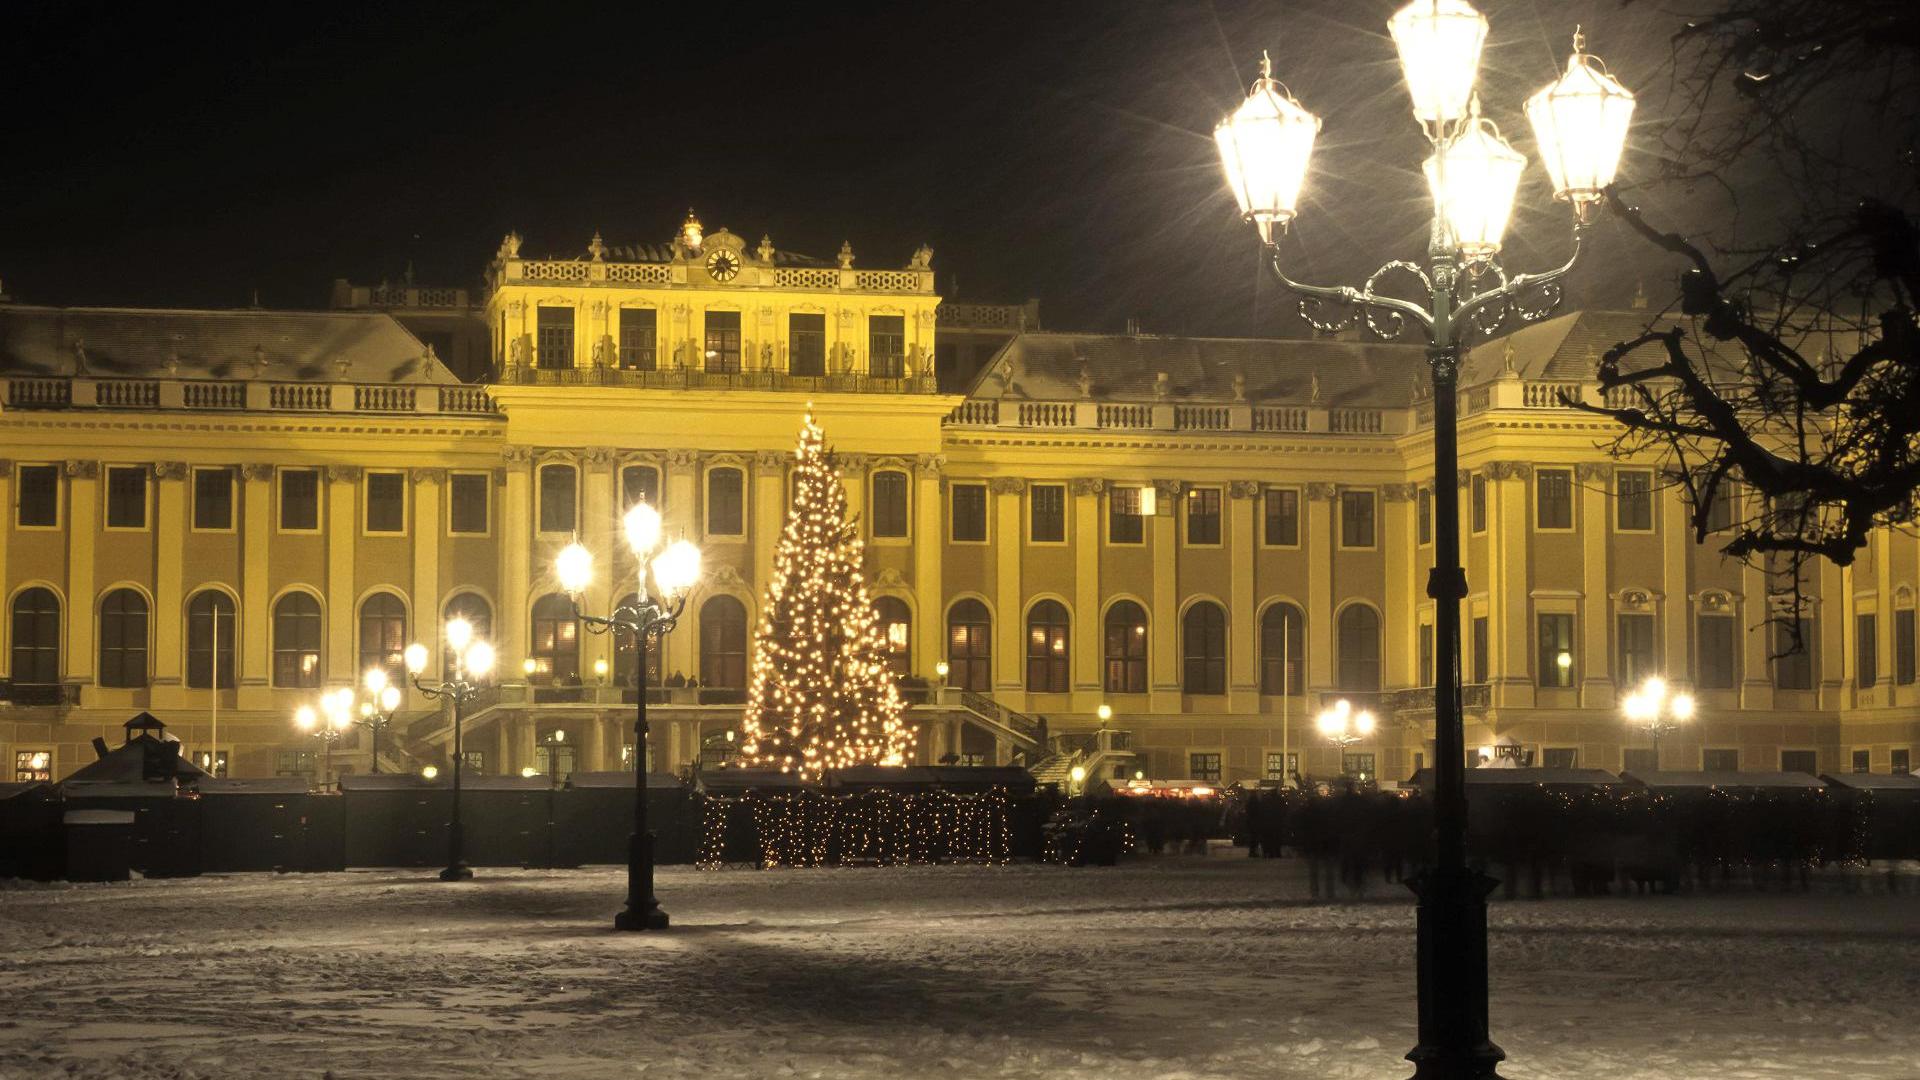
(256, 524)
(169, 605)
(1088, 635)
(1009, 666)
(769, 513)
(83, 512)
(1401, 547)
(1243, 685)
(602, 532)
(680, 520)
(929, 542)
(427, 530)
(1593, 482)
(1676, 587)
(1510, 625)
(510, 625)
(343, 532)
(1164, 653)
(1319, 538)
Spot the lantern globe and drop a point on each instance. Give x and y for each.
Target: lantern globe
(643, 528)
(678, 567)
(1474, 177)
(1580, 122)
(458, 632)
(574, 567)
(479, 659)
(1265, 146)
(1439, 42)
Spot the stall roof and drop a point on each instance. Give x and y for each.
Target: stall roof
(737, 781)
(620, 778)
(410, 781)
(1680, 781)
(275, 785)
(1518, 777)
(1901, 782)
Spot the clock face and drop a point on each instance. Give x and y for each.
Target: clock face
(723, 265)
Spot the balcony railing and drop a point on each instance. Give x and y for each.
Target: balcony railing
(62, 695)
(1169, 416)
(586, 272)
(695, 379)
(244, 395)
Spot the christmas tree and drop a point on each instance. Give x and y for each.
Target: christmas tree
(822, 694)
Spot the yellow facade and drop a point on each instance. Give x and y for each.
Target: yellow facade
(426, 492)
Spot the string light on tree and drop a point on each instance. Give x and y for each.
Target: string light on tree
(822, 694)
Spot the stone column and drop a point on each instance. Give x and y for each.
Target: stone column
(1509, 603)
(1399, 548)
(343, 533)
(83, 513)
(1320, 631)
(1164, 645)
(1593, 482)
(929, 541)
(1243, 656)
(681, 482)
(510, 622)
(1089, 637)
(1009, 540)
(253, 664)
(169, 603)
(427, 530)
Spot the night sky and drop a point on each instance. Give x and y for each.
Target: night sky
(165, 156)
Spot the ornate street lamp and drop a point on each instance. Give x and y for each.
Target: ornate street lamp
(377, 708)
(1655, 707)
(1343, 725)
(1581, 123)
(648, 616)
(472, 662)
(333, 719)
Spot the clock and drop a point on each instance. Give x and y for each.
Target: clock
(723, 265)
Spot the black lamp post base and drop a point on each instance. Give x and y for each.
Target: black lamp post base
(458, 872)
(1452, 947)
(651, 918)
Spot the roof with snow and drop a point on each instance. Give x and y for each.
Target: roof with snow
(282, 346)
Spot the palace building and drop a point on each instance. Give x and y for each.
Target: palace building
(217, 516)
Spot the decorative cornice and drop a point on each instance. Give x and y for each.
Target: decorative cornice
(83, 470)
(930, 464)
(516, 455)
(596, 455)
(1593, 471)
(769, 460)
(170, 470)
(1243, 489)
(344, 473)
(256, 471)
(1399, 493)
(1509, 470)
(1168, 490)
(1320, 491)
(422, 476)
(1463, 478)
(682, 459)
(852, 463)
(1006, 485)
(1084, 486)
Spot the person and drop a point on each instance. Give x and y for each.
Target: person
(1255, 826)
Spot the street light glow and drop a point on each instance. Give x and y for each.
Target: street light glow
(416, 658)
(1439, 42)
(459, 632)
(677, 568)
(574, 567)
(1264, 146)
(643, 528)
(1580, 123)
(479, 659)
(1473, 177)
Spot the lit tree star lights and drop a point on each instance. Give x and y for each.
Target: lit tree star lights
(822, 695)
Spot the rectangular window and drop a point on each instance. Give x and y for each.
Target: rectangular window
(1633, 505)
(1359, 766)
(127, 497)
(299, 500)
(1423, 516)
(1281, 766)
(1638, 760)
(386, 502)
(807, 343)
(723, 341)
(1425, 674)
(30, 766)
(639, 339)
(1125, 523)
(1720, 510)
(1553, 499)
(39, 497)
(889, 504)
(1203, 767)
(968, 524)
(213, 499)
(1719, 652)
(1866, 651)
(1554, 664)
(1902, 762)
(1793, 659)
(553, 342)
(557, 498)
(1283, 517)
(639, 484)
(1800, 761)
(1480, 649)
(1477, 502)
(726, 503)
(1637, 661)
(887, 345)
(1203, 516)
(1862, 761)
(1559, 757)
(214, 763)
(1047, 514)
(467, 497)
(1903, 644)
(1712, 760)
(293, 763)
(1356, 519)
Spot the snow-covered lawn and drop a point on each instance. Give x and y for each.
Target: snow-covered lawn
(1181, 967)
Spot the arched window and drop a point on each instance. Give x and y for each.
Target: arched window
(623, 653)
(1282, 645)
(209, 617)
(970, 647)
(297, 630)
(723, 643)
(1047, 648)
(1205, 629)
(1126, 649)
(895, 624)
(36, 637)
(1359, 629)
(383, 636)
(479, 614)
(123, 639)
(555, 646)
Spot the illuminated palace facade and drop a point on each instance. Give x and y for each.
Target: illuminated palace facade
(217, 516)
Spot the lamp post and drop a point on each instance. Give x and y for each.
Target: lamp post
(332, 719)
(377, 708)
(554, 741)
(1580, 122)
(1343, 726)
(1657, 708)
(472, 661)
(674, 568)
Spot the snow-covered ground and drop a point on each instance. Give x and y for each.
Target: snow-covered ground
(1181, 967)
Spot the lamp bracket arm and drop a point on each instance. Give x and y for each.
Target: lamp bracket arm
(1522, 283)
(1348, 296)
